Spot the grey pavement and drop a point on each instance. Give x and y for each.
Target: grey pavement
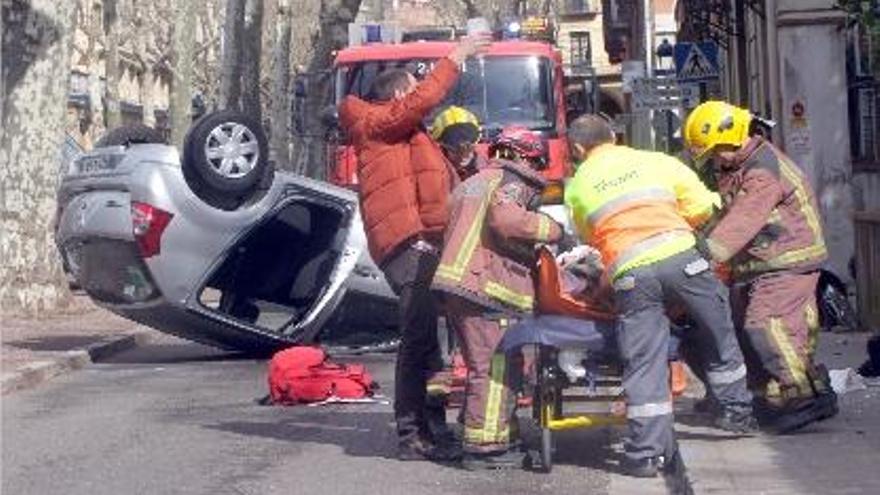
(177, 418)
(34, 350)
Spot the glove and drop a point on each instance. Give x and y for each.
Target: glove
(567, 242)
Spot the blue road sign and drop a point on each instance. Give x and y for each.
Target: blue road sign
(696, 62)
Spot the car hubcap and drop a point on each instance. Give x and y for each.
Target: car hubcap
(232, 150)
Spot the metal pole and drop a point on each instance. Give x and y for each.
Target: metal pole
(773, 70)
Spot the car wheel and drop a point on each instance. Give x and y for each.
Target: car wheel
(131, 134)
(225, 157)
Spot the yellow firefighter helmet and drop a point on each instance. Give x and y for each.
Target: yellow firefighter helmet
(715, 123)
(451, 116)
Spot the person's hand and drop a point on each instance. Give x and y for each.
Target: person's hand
(468, 46)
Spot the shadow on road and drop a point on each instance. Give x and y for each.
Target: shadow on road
(358, 433)
(176, 353)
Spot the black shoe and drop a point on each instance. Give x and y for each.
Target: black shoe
(708, 405)
(421, 450)
(797, 414)
(737, 421)
(647, 467)
(501, 459)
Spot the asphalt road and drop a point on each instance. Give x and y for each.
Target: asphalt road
(179, 418)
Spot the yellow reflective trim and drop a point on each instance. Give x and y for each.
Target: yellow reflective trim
(809, 214)
(449, 272)
(651, 250)
(812, 318)
(466, 251)
(543, 228)
(793, 362)
(493, 399)
(524, 302)
(477, 436)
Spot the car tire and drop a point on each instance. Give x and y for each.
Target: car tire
(225, 158)
(131, 134)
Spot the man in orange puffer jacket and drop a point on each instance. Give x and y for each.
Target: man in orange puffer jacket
(404, 185)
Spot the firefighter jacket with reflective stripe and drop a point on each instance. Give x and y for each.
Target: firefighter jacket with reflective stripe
(636, 207)
(770, 219)
(488, 252)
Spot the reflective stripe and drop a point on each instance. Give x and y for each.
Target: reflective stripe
(727, 377)
(455, 271)
(621, 202)
(650, 410)
(543, 228)
(793, 363)
(477, 436)
(524, 302)
(493, 399)
(812, 318)
(644, 246)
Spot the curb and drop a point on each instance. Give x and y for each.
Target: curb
(33, 374)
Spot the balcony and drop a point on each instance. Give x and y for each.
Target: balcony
(580, 7)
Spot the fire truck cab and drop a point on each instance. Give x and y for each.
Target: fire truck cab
(513, 82)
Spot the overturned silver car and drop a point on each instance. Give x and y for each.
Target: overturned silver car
(215, 246)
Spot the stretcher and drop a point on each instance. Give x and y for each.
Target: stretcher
(576, 377)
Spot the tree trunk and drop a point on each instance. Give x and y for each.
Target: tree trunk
(230, 81)
(36, 69)
(333, 18)
(112, 114)
(253, 42)
(280, 134)
(96, 87)
(145, 85)
(180, 104)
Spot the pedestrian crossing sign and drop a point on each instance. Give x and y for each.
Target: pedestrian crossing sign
(696, 62)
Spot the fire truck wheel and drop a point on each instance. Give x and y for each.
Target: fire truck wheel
(225, 158)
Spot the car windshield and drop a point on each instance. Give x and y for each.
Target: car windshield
(500, 90)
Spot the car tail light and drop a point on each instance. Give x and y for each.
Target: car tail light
(147, 224)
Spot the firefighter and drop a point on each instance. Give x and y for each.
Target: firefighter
(771, 236)
(639, 209)
(485, 277)
(457, 131)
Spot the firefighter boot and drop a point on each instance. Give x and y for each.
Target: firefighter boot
(737, 421)
(825, 395)
(792, 411)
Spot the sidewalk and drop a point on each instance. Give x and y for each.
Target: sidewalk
(836, 456)
(38, 349)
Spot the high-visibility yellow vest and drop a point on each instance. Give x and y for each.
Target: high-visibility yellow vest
(637, 207)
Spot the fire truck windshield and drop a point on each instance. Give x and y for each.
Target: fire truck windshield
(500, 90)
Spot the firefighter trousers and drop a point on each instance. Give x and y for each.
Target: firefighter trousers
(778, 325)
(642, 295)
(489, 398)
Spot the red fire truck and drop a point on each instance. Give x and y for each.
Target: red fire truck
(514, 82)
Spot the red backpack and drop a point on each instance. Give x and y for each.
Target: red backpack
(303, 374)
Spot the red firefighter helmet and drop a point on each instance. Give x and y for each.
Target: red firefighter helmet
(522, 142)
